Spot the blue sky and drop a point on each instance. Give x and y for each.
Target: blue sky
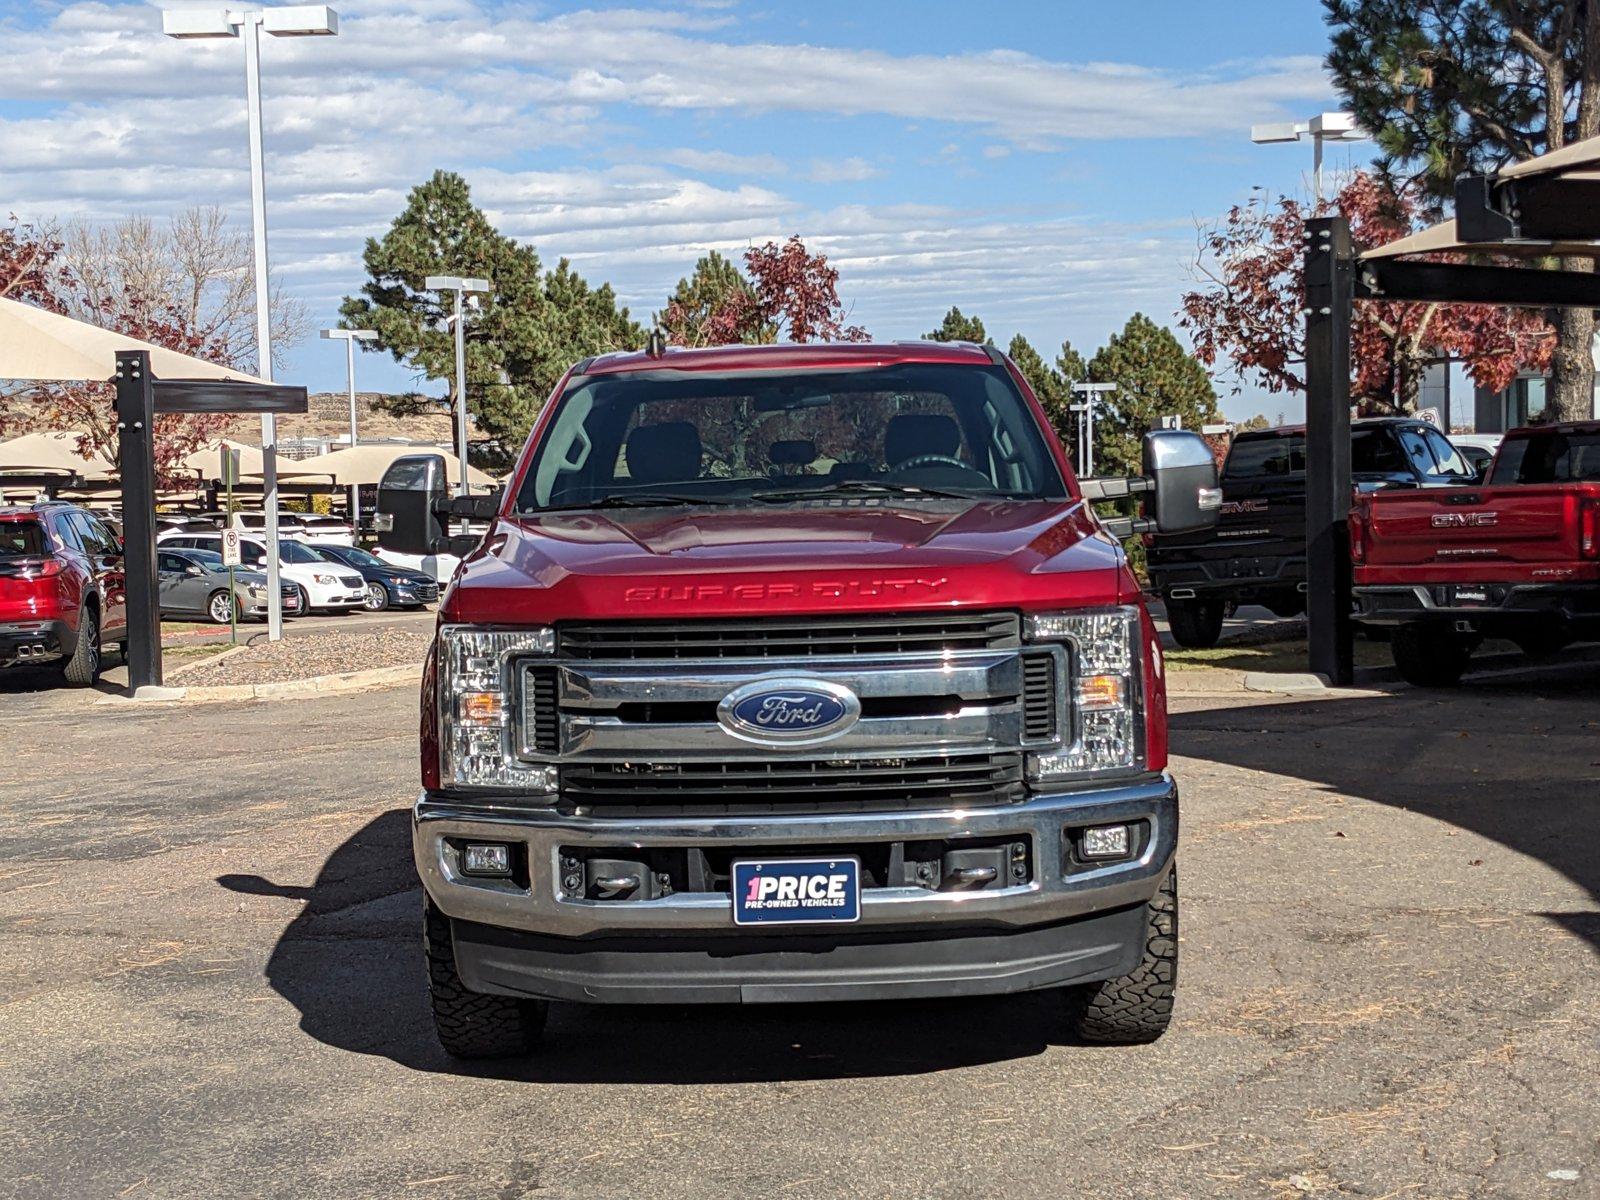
(1040, 164)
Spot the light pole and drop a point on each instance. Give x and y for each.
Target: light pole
(300, 21)
(460, 285)
(1324, 127)
(350, 337)
(1085, 411)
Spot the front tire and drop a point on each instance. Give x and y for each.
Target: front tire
(83, 668)
(305, 601)
(1429, 655)
(219, 608)
(1134, 1009)
(377, 597)
(1195, 624)
(474, 1024)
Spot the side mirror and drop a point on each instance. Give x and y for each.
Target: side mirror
(193, 570)
(1183, 496)
(408, 494)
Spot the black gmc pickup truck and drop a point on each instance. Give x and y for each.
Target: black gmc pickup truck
(1257, 552)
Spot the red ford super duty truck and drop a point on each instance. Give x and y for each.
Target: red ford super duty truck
(795, 673)
(1518, 558)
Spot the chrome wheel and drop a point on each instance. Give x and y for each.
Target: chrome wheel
(220, 609)
(377, 597)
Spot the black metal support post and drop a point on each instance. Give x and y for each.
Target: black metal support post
(136, 411)
(1329, 277)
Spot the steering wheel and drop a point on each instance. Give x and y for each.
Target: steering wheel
(931, 460)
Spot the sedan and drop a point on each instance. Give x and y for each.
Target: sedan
(194, 583)
(387, 585)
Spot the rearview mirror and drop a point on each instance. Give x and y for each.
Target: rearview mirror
(1183, 496)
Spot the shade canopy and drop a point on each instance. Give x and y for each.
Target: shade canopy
(55, 452)
(1577, 163)
(365, 464)
(208, 459)
(48, 347)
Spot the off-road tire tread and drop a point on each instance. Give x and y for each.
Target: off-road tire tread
(474, 1024)
(1429, 658)
(1135, 1009)
(1196, 624)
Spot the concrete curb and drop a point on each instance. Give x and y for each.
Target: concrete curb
(290, 689)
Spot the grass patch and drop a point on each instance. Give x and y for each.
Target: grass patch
(1288, 656)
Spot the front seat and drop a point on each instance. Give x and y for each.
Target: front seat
(666, 453)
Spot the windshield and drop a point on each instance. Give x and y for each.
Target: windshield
(351, 556)
(696, 437)
(1552, 456)
(206, 558)
(21, 539)
(298, 552)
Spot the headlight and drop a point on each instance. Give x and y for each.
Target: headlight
(319, 577)
(478, 694)
(1104, 730)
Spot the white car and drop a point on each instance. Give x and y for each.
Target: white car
(322, 584)
(289, 524)
(326, 531)
(1478, 449)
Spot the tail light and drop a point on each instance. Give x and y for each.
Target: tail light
(1589, 529)
(34, 568)
(1358, 534)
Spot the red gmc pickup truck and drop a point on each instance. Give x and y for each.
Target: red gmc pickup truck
(1518, 558)
(794, 673)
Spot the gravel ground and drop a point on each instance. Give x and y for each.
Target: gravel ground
(315, 654)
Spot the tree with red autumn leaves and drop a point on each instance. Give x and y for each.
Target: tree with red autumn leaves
(183, 286)
(788, 295)
(1248, 311)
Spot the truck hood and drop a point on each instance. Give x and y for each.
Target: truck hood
(813, 557)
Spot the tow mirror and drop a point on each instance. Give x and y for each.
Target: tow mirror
(1184, 496)
(1179, 486)
(408, 494)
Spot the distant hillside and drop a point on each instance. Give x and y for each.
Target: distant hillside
(379, 415)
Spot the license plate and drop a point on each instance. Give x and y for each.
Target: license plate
(1470, 597)
(796, 891)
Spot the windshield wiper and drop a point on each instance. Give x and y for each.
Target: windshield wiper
(873, 487)
(636, 500)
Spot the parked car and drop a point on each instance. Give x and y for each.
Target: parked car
(322, 584)
(194, 583)
(387, 585)
(1518, 558)
(1257, 552)
(183, 523)
(62, 590)
(878, 713)
(1478, 449)
(322, 530)
(289, 524)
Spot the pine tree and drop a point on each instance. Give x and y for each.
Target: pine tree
(958, 327)
(1155, 377)
(699, 312)
(525, 333)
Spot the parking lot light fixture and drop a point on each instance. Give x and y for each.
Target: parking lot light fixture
(301, 20)
(462, 286)
(1324, 127)
(350, 337)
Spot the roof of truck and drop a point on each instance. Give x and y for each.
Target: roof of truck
(788, 356)
(1356, 423)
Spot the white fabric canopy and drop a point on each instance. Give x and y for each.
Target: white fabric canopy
(365, 464)
(208, 459)
(48, 347)
(52, 451)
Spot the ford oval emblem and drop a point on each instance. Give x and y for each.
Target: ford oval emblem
(788, 712)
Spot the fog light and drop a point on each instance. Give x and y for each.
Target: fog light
(486, 858)
(1106, 841)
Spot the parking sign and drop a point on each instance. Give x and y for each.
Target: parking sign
(230, 547)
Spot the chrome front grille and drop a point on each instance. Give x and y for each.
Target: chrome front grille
(628, 711)
(787, 637)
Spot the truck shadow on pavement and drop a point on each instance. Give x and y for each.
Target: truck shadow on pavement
(1513, 760)
(351, 964)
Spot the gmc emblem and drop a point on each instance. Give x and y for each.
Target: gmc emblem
(1232, 508)
(1477, 520)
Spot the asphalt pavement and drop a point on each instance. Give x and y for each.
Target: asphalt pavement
(211, 984)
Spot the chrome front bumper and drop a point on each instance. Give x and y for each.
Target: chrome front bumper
(1052, 895)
